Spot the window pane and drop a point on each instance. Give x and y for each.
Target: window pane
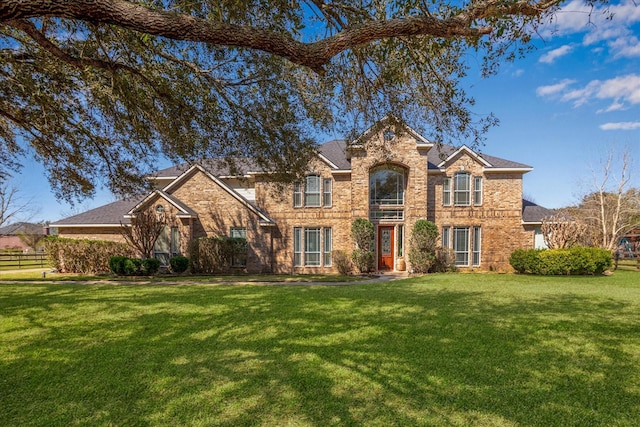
(312, 247)
(175, 241)
(239, 232)
(461, 189)
(461, 245)
(328, 243)
(445, 237)
(327, 193)
(297, 194)
(386, 186)
(477, 239)
(477, 190)
(297, 247)
(446, 192)
(312, 191)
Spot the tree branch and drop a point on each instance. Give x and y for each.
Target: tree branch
(316, 55)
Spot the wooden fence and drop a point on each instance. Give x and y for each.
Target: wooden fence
(9, 261)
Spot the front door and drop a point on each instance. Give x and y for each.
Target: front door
(385, 248)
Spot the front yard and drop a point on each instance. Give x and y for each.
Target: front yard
(456, 349)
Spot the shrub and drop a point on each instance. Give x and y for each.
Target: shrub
(363, 260)
(212, 255)
(362, 232)
(422, 246)
(132, 266)
(116, 264)
(82, 255)
(525, 260)
(179, 264)
(577, 260)
(150, 266)
(342, 262)
(444, 261)
(124, 266)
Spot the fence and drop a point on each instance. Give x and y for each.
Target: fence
(9, 261)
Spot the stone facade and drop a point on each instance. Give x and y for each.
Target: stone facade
(289, 234)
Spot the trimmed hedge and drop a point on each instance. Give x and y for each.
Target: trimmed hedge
(213, 255)
(179, 264)
(82, 255)
(577, 260)
(125, 266)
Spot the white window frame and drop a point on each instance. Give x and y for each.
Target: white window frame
(297, 247)
(312, 253)
(461, 253)
(477, 190)
(446, 237)
(312, 196)
(476, 246)
(446, 191)
(297, 194)
(327, 245)
(462, 197)
(327, 196)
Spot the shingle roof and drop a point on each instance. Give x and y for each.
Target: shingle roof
(336, 152)
(111, 214)
(534, 213)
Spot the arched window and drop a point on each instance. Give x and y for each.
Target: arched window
(386, 185)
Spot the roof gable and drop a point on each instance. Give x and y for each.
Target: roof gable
(464, 150)
(183, 210)
(264, 219)
(386, 122)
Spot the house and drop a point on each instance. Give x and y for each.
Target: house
(18, 236)
(390, 175)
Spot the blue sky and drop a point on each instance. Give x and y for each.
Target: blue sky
(561, 109)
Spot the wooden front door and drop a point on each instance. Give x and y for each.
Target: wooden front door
(385, 248)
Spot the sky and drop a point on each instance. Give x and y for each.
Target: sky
(562, 109)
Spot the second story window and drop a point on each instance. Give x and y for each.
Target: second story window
(312, 190)
(446, 191)
(461, 189)
(297, 195)
(326, 194)
(386, 186)
(477, 190)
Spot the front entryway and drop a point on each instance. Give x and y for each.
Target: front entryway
(385, 247)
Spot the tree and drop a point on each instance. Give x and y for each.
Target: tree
(12, 204)
(612, 208)
(562, 231)
(97, 91)
(145, 228)
(422, 245)
(363, 234)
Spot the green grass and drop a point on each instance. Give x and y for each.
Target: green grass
(459, 349)
(36, 274)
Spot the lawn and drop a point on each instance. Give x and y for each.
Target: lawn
(440, 350)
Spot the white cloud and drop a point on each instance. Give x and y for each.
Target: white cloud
(625, 88)
(615, 106)
(577, 17)
(622, 91)
(621, 126)
(626, 46)
(555, 89)
(551, 56)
